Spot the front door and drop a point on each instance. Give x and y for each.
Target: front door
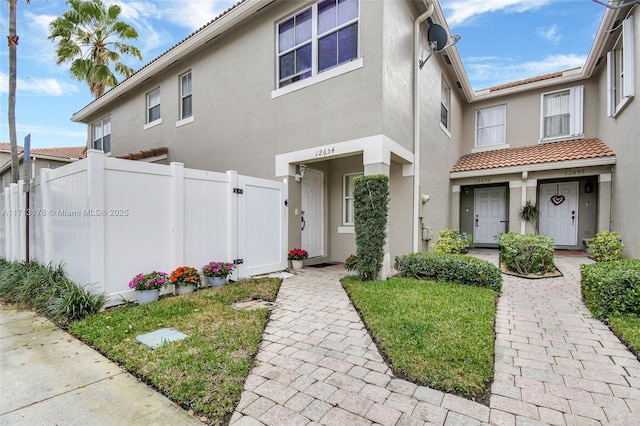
(312, 213)
(490, 214)
(559, 212)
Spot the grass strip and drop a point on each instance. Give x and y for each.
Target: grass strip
(627, 328)
(205, 371)
(439, 335)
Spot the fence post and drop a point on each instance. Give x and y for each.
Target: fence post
(232, 229)
(95, 202)
(46, 215)
(15, 221)
(7, 222)
(177, 214)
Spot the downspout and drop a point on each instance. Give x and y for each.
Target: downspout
(416, 123)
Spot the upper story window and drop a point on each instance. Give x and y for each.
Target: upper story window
(101, 134)
(445, 104)
(153, 106)
(186, 109)
(347, 190)
(620, 70)
(491, 126)
(317, 39)
(561, 114)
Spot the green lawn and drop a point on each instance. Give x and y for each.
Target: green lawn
(439, 335)
(205, 371)
(627, 327)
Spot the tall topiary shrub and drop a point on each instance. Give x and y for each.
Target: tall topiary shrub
(370, 210)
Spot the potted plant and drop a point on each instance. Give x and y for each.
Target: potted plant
(351, 264)
(297, 256)
(217, 272)
(530, 212)
(147, 286)
(185, 279)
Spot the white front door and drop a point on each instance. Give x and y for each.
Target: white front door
(312, 213)
(559, 212)
(490, 214)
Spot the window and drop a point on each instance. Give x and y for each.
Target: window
(562, 114)
(445, 104)
(153, 106)
(101, 131)
(620, 70)
(491, 126)
(185, 96)
(347, 189)
(317, 39)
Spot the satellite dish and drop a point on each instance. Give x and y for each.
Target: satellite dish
(437, 37)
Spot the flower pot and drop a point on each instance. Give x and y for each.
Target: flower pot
(147, 296)
(184, 289)
(297, 264)
(217, 281)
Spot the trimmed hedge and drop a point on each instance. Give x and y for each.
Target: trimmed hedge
(527, 254)
(370, 212)
(611, 288)
(452, 241)
(450, 267)
(605, 246)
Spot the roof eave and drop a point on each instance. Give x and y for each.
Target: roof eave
(197, 40)
(568, 76)
(587, 162)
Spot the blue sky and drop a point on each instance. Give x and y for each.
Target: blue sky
(502, 41)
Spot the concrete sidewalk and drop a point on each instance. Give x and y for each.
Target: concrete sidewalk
(49, 378)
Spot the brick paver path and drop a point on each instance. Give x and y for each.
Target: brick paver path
(554, 363)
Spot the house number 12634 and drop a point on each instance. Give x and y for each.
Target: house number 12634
(325, 151)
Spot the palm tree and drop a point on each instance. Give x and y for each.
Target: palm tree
(13, 72)
(90, 36)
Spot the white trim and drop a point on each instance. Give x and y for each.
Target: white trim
(346, 229)
(490, 148)
(576, 113)
(455, 188)
(346, 176)
(184, 121)
(628, 57)
(445, 130)
(503, 125)
(323, 76)
(535, 167)
(532, 183)
(153, 159)
(374, 149)
(515, 184)
(604, 177)
(622, 105)
(152, 124)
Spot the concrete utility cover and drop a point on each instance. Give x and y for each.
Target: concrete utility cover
(157, 338)
(254, 304)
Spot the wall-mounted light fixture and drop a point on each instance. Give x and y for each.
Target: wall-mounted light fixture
(301, 168)
(588, 187)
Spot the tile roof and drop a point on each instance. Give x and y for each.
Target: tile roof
(554, 152)
(530, 80)
(68, 152)
(145, 154)
(6, 147)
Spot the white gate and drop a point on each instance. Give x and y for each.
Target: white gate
(262, 226)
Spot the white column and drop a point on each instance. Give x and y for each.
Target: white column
(604, 202)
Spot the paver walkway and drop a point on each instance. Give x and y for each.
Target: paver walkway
(555, 364)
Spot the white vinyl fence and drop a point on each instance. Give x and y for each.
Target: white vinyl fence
(107, 219)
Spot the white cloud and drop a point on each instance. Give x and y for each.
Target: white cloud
(38, 86)
(192, 14)
(459, 12)
(550, 34)
(488, 72)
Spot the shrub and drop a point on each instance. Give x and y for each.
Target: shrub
(605, 246)
(611, 288)
(351, 263)
(370, 209)
(46, 289)
(452, 241)
(527, 254)
(450, 267)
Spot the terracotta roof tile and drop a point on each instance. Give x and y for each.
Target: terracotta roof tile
(145, 154)
(580, 149)
(6, 147)
(68, 152)
(530, 80)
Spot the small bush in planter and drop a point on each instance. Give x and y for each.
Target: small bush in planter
(452, 241)
(450, 267)
(527, 254)
(611, 288)
(184, 276)
(351, 263)
(218, 269)
(152, 281)
(298, 254)
(605, 246)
